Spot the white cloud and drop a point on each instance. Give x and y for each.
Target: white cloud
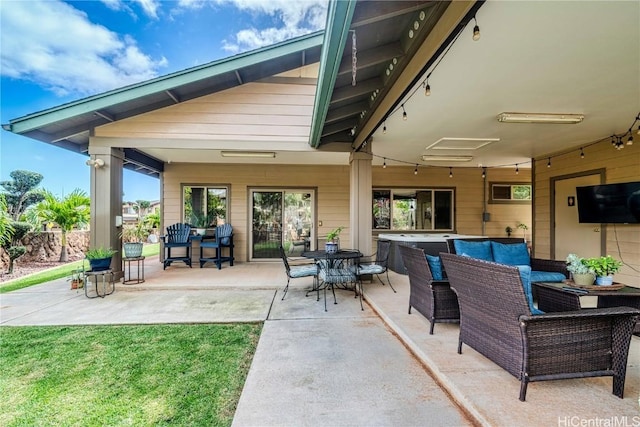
(295, 18)
(66, 53)
(149, 7)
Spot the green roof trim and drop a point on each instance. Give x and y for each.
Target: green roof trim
(105, 100)
(339, 18)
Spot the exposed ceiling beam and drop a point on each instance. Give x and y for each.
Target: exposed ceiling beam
(344, 126)
(386, 10)
(239, 77)
(137, 157)
(172, 95)
(370, 57)
(365, 87)
(346, 111)
(105, 115)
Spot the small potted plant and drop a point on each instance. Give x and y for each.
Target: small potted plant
(77, 278)
(135, 237)
(200, 222)
(524, 229)
(333, 240)
(582, 274)
(99, 258)
(604, 268)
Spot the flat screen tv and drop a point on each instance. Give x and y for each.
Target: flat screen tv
(609, 203)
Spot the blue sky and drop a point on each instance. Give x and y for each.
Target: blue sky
(53, 52)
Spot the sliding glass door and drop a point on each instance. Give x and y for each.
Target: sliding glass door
(281, 217)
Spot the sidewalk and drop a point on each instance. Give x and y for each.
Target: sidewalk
(342, 367)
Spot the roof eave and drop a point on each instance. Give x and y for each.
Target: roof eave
(339, 18)
(101, 101)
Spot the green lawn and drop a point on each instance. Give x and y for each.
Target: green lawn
(179, 375)
(62, 271)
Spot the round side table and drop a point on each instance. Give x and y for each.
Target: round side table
(128, 278)
(100, 277)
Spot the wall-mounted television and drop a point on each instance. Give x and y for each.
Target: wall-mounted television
(609, 203)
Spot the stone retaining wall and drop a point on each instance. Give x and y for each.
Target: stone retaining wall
(45, 246)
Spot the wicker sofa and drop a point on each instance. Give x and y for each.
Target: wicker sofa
(496, 320)
(433, 298)
(537, 264)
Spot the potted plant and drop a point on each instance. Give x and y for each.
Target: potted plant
(524, 229)
(134, 237)
(99, 258)
(582, 274)
(77, 278)
(200, 222)
(333, 240)
(604, 268)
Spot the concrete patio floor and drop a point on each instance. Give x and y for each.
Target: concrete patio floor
(284, 372)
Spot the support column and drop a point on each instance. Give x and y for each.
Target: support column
(106, 202)
(361, 201)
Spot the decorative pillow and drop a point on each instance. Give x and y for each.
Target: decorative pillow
(479, 250)
(435, 265)
(546, 276)
(510, 254)
(525, 276)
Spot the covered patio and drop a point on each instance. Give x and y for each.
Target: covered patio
(252, 291)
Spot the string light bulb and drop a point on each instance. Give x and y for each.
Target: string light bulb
(476, 31)
(415, 171)
(384, 128)
(404, 113)
(581, 153)
(630, 140)
(384, 163)
(517, 169)
(484, 173)
(549, 162)
(427, 88)
(450, 172)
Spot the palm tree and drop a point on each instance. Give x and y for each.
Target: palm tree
(6, 228)
(71, 211)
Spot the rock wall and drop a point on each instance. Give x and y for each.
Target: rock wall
(45, 246)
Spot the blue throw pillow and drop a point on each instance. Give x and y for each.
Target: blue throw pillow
(479, 250)
(546, 276)
(525, 275)
(435, 265)
(510, 254)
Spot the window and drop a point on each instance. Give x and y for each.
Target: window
(502, 192)
(413, 209)
(205, 206)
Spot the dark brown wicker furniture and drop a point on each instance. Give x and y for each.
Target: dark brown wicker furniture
(434, 299)
(496, 321)
(537, 264)
(560, 297)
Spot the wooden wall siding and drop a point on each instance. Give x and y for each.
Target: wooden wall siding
(621, 166)
(468, 184)
(330, 182)
(254, 111)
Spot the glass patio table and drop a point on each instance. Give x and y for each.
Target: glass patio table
(335, 269)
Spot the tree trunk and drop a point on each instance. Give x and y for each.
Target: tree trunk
(64, 256)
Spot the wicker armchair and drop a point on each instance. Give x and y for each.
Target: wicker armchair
(434, 299)
(496, 321)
